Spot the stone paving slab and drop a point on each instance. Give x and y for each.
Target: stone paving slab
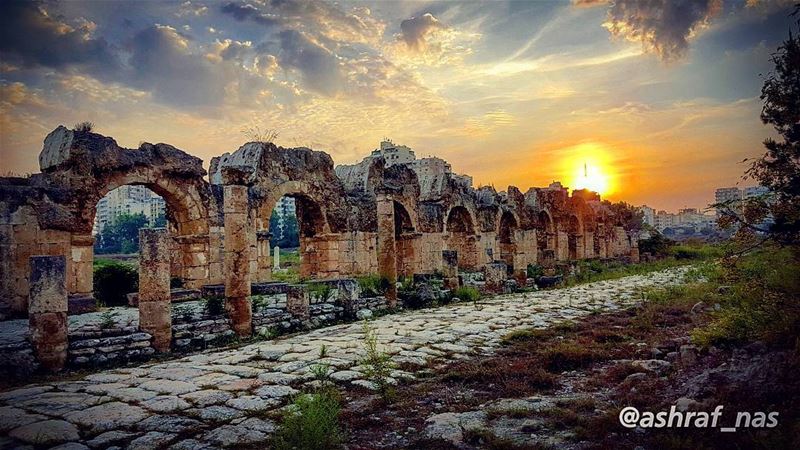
(220, 398)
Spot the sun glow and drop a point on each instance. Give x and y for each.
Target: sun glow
(592, 178)
(588, 167)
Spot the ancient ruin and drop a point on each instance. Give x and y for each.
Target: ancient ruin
(373, 220)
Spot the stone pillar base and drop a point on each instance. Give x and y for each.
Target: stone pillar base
(47, 310)
(49, 338)
(297, 302)
(495, 275)
(240, 313)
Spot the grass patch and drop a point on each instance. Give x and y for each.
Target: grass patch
(467, 294)
(571, 355)
(373, 285)
(310, 422)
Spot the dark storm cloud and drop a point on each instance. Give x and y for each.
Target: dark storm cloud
(662, 26)
(417, 28)
(31, 38)
(318, 66)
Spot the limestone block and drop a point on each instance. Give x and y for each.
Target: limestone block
(48, 293)
(49, 338)
(495, 275)
(56, 150)
(297, 301)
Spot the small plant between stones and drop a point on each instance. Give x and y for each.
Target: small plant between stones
(377, 364)
(215, 306)
(107, 320)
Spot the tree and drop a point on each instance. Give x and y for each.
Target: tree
(778, 169)
(160, 222)
(291, 232)
(286, 237)
(631, 217)
(121, 236)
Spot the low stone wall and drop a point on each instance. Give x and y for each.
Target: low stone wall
(111, 350)
(17, 359)
(113, 337)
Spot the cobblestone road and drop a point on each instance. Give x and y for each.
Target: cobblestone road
(219, 398)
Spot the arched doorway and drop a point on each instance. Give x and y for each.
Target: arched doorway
(119, 216)
(312, 229)
(546, 237)
(460, 236)
(574, 238)
(184, 215)
(507, 239)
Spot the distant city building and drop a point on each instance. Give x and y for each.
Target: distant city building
(754, 191)
(648, 215)
(128, 199)
(726, 195)
(690, 219)
(284, 209)
(393, 153)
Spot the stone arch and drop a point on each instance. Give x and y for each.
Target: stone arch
(506, 236)
(187, 218)
(547, 236)
(185, 205)
(316, 220)
(574, 229)
(460, 236)
(311, 220)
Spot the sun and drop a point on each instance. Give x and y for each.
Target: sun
(589, 166)
(592, 178)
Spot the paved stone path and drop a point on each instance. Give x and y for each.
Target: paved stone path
(219, 398)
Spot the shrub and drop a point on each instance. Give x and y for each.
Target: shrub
(259, 302)
(113, 281)
(310, 422)
(656, 244)
(467, 294)
(759, 302)
(215, 306)
(83, 126)
(535, 271)
(319, 292)
(373, 285)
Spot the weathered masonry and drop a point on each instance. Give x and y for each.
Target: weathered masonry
(379, 223)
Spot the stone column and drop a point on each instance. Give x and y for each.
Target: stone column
(276, 258)
(47, 310)
(634, 243)
(347, 292)
(154, 292)
(237, 252)
(297, 302)
(82, 255)
(495, 275)
(387, 257)
(262, 256)
(450, 269)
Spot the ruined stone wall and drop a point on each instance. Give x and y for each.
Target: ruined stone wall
(52, 212)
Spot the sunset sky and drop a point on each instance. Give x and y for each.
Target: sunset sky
(658, 99)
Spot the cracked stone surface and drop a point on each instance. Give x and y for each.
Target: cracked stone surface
(222, 398)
